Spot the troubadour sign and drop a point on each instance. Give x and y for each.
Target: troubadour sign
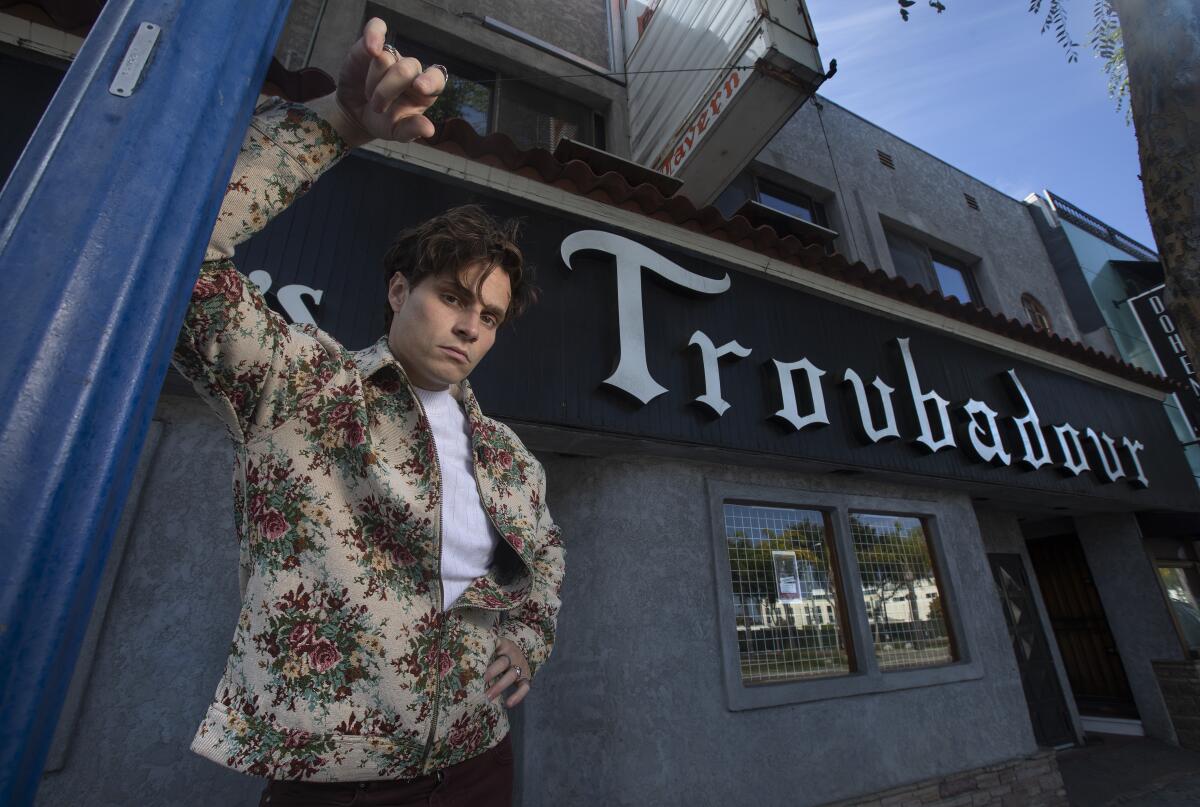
(637, 338)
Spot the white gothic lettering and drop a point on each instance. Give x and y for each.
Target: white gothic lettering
(984, 426)
(291, 298)
(632, 375)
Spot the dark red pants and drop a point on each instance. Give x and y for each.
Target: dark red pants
(483, 781)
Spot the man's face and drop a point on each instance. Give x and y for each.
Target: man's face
(441, 329)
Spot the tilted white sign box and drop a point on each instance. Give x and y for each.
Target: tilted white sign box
(711, 81)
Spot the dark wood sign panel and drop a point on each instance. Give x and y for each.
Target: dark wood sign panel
(1159, 326)
(550, 367)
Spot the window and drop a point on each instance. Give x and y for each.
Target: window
(491, 102)
(1179, 584)
(952, 278)
(824, 594)
(920, 265)
(780, 561)
(1036, 312)
(534, 118)
(794, 203)
(894, 564)
(469, 92)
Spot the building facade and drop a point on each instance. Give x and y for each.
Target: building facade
(845, 513)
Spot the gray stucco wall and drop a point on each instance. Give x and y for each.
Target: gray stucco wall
(297, 36)
(631, 708)
(1136, 610)
(165, 636)
(830, 153)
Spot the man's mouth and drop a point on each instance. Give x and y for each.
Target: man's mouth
(456, 353)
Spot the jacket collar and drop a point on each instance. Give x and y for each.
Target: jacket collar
(378, 357)
(375, 358)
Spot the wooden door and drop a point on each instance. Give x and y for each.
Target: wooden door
(1085, 641)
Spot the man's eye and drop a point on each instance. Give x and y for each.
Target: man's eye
(449, 298)
(490, 320)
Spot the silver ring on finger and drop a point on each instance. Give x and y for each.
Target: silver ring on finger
(442, 67)
(392, 50)
(520, 674)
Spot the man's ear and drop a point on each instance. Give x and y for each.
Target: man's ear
(397, 291)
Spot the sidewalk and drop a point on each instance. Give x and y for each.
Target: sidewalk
(1116, 770)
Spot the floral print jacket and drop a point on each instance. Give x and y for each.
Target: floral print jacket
(343, 664)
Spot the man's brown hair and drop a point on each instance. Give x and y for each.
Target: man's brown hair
(443, 245)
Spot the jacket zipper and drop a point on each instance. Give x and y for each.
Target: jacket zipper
(437, 687)
(437, 681)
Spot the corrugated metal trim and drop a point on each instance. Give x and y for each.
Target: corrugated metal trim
(498, 151)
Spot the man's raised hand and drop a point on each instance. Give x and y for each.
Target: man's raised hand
(381, 94)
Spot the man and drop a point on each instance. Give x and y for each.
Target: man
(399, 568)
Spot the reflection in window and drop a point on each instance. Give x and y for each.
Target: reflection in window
(491, 102)
(534, 118)
(908, 626)
(1036, 312)
(468, 93)
(919, 265)
(951, 279)
(464, 99)
(794, 203)
(1182, 598)
(788, 616)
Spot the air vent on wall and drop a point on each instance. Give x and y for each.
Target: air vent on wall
(886, 160)
(972, 202)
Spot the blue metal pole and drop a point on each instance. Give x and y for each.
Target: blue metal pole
(103, 224)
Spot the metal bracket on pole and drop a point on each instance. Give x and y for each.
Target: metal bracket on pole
(136, 59)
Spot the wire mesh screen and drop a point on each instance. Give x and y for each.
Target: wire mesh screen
(900, 591)
(534, 118)
(789, 623)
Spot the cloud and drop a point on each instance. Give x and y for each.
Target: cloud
(829, 20)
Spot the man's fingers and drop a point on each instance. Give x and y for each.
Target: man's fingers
(393, 83)
(518, 696)
(412, 127)
(502, 683)
(374, 33)
(498, 665)
(430, 83)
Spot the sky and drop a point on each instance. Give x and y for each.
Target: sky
(982, 88)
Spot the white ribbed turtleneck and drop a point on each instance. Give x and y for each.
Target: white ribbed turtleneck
(468, 540)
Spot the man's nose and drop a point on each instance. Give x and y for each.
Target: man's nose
(467, 326)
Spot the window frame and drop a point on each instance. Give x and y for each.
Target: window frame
(1193, 567)
(820, 216)
(931, 254)
(593, 119)
(1032, 305)
(960, 267)
(865, 676)
(935, 559)
(842, 611)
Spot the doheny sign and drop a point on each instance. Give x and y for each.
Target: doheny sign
(802, 399)
(1150, 309)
